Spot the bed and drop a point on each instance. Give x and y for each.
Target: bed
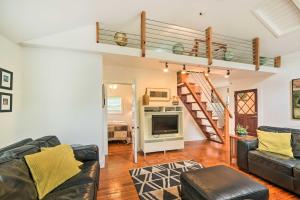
(119, 131)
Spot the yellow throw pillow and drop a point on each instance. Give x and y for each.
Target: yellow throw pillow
(51, 168)
(275, 142)
(49, 148)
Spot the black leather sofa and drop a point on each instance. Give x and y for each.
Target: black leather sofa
(16, 182)
(280, 170)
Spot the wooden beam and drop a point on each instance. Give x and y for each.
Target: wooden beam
(143, 33)
(97, 32)
(209, 48)
(226, 126)
(256, 53)
(277, 61)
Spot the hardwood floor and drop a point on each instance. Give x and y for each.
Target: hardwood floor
(116, 183)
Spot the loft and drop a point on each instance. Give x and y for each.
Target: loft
(169, 42)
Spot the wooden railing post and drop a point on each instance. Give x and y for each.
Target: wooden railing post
(143, 33)
(209, 48)
(226, 126)
(277, 61)
(256, 53)
(97, 32)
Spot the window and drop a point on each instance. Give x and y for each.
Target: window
(114, 105)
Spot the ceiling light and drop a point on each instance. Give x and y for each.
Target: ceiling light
(113, 86)
(227, 74)
(166, 69)
(208, 71)
(183, 69)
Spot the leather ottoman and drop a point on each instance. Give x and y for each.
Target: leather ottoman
(220, 183)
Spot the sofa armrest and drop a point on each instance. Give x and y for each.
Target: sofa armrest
(86, 152)
(243, 148)
(296, 171)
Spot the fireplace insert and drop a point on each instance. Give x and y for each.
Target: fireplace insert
(164, 124)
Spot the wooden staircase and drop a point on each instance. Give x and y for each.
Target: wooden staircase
(193, 96)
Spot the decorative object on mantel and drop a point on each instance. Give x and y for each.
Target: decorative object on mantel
(228, 56)
(121, 39)
(241, 131)
(178, 48)
(146, 98)
(263, 60)
(175, 101)
(158, 94)
(296, 98)
(6, 79)
(5, 102)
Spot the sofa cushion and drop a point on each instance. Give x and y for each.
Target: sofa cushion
(89, 174)
(277, 162)
(78, 192)
(295, 137)
(296, 145)
(18, 152)
(16, 182)
(279, 130)
(51, 168)
(15, 145)
(46, 141)
(275, 142)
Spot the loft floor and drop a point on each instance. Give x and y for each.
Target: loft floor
(116, 183)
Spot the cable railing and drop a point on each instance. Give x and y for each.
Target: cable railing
(116, 37)
(210, 98)
(162, 36)
(167, 37)
(266, 61)
(233, 49)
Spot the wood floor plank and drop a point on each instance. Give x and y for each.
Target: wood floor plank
(116, 183)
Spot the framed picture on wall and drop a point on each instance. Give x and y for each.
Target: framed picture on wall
(6, 79)
(159, 94)
(296, 98)
(5, 102)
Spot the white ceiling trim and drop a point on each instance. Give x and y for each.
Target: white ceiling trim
(279, 16)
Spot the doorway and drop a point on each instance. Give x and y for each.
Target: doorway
(246, 110)
(121, 120)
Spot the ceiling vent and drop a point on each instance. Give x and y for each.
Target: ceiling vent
(279, 16)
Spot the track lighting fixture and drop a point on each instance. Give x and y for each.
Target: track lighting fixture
(183, 69)
(166, 69)
(208, 72)
(227, 74)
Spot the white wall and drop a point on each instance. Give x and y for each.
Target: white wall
(274, 94)
(152, 78)
(125, 92)
(62, 95)
(10, 59)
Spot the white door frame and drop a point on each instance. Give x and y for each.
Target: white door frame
(136, 138)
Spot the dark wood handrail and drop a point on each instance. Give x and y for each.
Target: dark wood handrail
(218, 96)
(97, 32)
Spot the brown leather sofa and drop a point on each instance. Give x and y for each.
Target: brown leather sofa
(16, 182)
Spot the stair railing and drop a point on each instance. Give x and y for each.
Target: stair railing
(209, 90)
(207, 93)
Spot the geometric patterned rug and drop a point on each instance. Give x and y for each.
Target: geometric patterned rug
(161, 182)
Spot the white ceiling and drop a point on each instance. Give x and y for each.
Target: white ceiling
(30, 19)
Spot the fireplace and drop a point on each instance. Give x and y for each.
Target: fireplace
(164, 124)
